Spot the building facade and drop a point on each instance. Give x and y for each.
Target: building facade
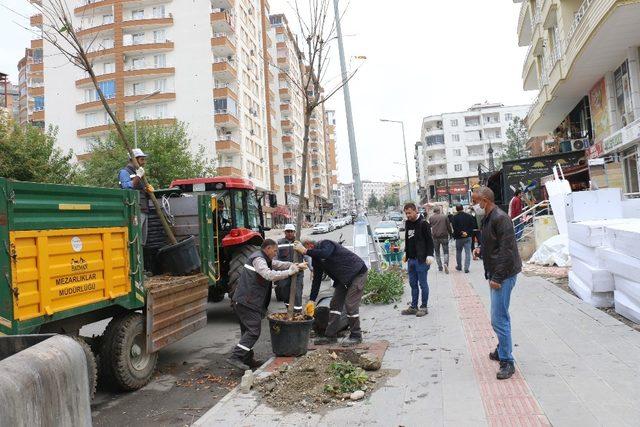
(330, 143)
(31, 79)
(421, 182)
(456, 145)
(379, 189)
(583, 62)
(9, 97)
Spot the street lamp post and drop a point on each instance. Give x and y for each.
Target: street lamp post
(404, 145)
(135, 116)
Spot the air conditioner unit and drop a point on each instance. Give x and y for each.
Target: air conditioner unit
(580, 144)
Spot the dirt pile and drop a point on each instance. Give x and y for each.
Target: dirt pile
(318, 380)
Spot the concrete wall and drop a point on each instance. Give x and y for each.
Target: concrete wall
(45, 385)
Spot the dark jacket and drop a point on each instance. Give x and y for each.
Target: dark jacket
(144, 197)
(462, 221)
(440, 226)
(340, 264)
(253, 290)
(287, 254)
(422, 238)
(498, 245)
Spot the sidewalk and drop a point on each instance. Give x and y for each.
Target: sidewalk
(577, 366)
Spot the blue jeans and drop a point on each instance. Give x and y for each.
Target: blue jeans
(519, 228)
(418, 281)
(465, 244)
(500, 319)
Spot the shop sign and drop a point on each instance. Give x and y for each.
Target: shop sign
(458, 189)
(442, 191)
(618, 140)
(595, 151)
(612, 142)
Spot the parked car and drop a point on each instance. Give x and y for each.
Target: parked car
(386, 230)
(321, 228)
(398, 218)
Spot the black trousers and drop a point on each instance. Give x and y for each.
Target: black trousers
(250, 328)
(349, 297)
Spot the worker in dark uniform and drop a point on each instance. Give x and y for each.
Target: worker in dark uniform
(131, 178)
(252, 296)
(286, 254)
(349, 274)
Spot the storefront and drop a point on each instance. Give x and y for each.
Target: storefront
(452, 191)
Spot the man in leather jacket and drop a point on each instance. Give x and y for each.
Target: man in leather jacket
(502, 264)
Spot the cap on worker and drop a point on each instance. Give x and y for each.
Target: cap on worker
(138, 153)
(289, 227)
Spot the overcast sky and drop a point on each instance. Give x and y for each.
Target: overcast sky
(423, 57)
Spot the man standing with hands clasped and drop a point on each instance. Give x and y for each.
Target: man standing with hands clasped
(418, 256)
(501, 267)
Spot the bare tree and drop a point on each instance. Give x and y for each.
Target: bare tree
(317, 28)
(59, 30)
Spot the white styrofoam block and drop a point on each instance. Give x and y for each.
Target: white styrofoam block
(596, 299)
(592, 205)
(631, 208)
(585, 253)
(596, 279)
(620, 264)
(625, 236)
(624, 306)
(590, 233)
(631, 288)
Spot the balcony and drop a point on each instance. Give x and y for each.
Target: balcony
(222, 45)
(94, 105)
(437, 161)
(222, 21)
(36, 44)
(229, 171)
(435, 147)
(286, 124)
(285, 93)
(222, 4)
(103, 128)
(131, 97)
(288, 155)
(289, 171)
(103, 29)
(226, 118)
(225, 91)
(287, 141)
(223, 70)
(227, 144)
(285, 108)
(36, 20)
(134, 48)
(149, 23)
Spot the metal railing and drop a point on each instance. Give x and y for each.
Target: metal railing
(577, 19)
(527, 218)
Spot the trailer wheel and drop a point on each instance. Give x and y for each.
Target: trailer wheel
(92, 365)
(124, 360)
(238, 260)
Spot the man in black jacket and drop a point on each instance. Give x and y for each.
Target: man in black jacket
(502, 264)
(252, 296)
(418, 247)
(349, 274)
(463, 226)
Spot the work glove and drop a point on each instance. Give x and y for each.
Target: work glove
(293, 269)
(149, 188)
(140, 172)
(298, 247)
(302, 266)
(404, 259)
(310, 308)
(430, 260)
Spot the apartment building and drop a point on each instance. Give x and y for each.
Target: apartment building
(318, 171)
(346, 197)
(582, 59)
(379, 189)
(31, 79)
(9, 97)
(330, 146)
(421, 182)
(457, 144)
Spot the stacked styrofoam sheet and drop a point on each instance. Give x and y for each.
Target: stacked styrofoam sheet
(622, 260)
(591, 233)
(585, 293)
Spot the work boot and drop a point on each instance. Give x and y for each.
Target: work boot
(466, 270)
(237, 363)
(507, 369)
(409, 311)
(494, 355)
(422, 311)
(251, 361)
(439, 268)
(353, 340)
(458, 268)
(446, 269)
(325, 340)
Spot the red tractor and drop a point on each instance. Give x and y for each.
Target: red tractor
(231, 226)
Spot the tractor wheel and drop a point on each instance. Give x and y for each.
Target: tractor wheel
(92, 366)
(238, 260)
(123, 359)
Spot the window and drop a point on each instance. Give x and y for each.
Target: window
(161, 111)
(457, 168)
(109, 67)
(138, 88)
(108, 88)
(623, 94)
(137, 14)
(137, 38)
(161, 85)
(253, 212)
(90, 120)
(39, 103)
(107, 44)
(508, 117)
(137, 63)
(160, 61)
(107, 19)
(239, 209)
(455, 137)
(457, 152)
(158, 12)
(159, 36)
(454, 122)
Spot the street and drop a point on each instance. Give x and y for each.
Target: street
(192, 374)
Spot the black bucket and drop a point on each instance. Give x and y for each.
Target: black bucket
(182, 258)
(321, 317)
(290, 338)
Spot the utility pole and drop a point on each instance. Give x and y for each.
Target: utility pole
(404, 145)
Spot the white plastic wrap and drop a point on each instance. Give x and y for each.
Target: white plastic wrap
(554, 251)
(596, 299)
(596, 279)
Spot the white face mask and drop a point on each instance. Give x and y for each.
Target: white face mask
(478, 210)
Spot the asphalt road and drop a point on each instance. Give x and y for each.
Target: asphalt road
(192, 374)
